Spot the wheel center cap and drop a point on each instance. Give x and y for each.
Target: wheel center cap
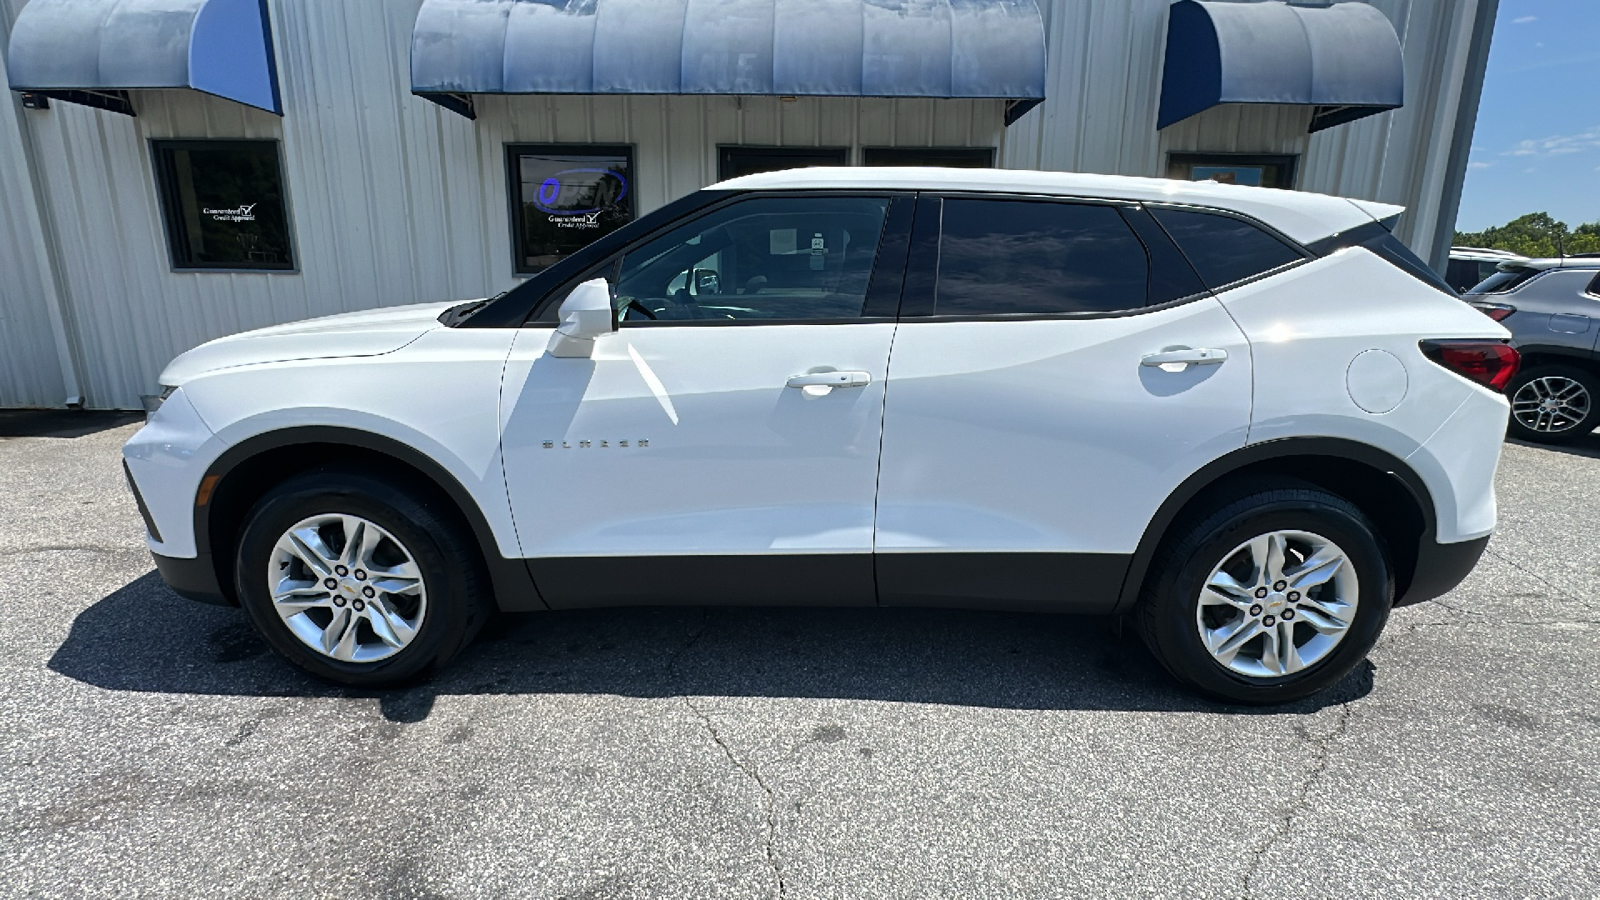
(1276, 603)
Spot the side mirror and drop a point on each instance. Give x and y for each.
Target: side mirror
(586, 314)
(707, 281)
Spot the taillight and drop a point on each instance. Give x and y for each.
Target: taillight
(1490, 363)
(1496, 311)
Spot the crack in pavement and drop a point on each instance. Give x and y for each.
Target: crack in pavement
(754, 774)
(1559, 591)
(1324, 749)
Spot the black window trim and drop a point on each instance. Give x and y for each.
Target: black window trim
(1306, 255)
(1593, 289)
(158, 164)
(514, 200)
(614, 255)
(1377, 239)
(928, 251)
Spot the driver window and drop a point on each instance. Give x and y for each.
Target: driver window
(770, 258)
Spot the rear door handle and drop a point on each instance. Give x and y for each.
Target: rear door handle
(1185, 357)
(831, 380)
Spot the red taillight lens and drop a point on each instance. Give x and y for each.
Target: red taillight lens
(1496, 311)
(1490, 363)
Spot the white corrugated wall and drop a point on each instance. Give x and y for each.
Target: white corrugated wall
(1105, 92)
(31, 372)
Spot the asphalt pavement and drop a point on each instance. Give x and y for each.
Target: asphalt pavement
(154, 747)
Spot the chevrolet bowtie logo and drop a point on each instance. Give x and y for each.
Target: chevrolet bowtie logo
(586, 445)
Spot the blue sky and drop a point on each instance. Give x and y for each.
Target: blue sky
(1537, 145)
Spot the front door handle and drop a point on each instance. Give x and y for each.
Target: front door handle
(1181, 359)
(831, 380)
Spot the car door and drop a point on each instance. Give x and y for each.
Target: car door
(722, 445)
(1058, 371)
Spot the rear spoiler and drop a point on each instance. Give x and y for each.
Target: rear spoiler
(1384, 214)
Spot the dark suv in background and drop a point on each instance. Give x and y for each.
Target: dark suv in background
(1552, 307)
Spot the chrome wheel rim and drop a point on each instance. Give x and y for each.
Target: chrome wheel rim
(346, 588)
(1552, 404)
(1278, 604)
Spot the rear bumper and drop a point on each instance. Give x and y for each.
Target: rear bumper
(195, 579)
(1440, 568)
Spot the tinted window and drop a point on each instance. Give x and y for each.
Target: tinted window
(1224, 249)
(772, 258)
(1506, 280)
(224, 204)
(1594, 286)
(565, 197)
(1463, 274)
(1004, 257)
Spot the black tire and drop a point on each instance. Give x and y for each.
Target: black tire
(1580, 428)
(458, 598)
(1169, 604)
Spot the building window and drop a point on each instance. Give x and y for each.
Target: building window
(223, 202)
(733, 162)
(950, 157)
(564, 197)
(1232, 168)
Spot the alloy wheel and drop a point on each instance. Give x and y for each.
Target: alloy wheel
(1551, 404)
(347, 588)
(1278, 604)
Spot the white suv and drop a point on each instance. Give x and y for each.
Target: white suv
(1249, 419)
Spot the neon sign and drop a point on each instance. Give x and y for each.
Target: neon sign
(562, 186)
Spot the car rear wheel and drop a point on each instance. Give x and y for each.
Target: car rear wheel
(1269, 598)
(358, 581)
(1554, 404)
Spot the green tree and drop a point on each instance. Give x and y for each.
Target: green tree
(1536, 234)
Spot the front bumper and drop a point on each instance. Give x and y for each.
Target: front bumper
(195, 579)
(1440, 568)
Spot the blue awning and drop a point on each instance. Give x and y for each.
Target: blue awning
(785, 48)
(1344, 60)
(91, 51)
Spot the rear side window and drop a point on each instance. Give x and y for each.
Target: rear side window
(1594, 286)
(1019, 257)
(1223, 249)
(1506, 280)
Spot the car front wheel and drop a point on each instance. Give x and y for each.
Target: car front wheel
(357, 580)
(1272, 597)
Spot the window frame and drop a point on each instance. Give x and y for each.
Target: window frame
(1289, 161)
(171, 218)
(515, 202)
(883, 288)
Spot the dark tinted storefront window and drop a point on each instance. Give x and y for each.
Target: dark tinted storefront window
(224, 204)
(735, 162)
(1007, 257)
(1230, 168)
(1224, 249)
(949, 157)
(566, 197)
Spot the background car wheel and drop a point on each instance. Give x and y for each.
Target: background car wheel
(358, 581)
(1554, 404)
(1270, 597)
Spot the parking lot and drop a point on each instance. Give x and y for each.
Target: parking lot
(152, 746)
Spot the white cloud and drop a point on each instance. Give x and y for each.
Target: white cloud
(1524, 20)
(1558, 145)
(1480, 165)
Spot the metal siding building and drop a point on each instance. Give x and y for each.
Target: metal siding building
(393, 199)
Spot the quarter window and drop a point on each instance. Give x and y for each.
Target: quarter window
(1021, 257)
(223, 202)
(1223, 249)
(566, 197)
(765, 259)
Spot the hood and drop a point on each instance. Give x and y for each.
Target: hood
(368, 333)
